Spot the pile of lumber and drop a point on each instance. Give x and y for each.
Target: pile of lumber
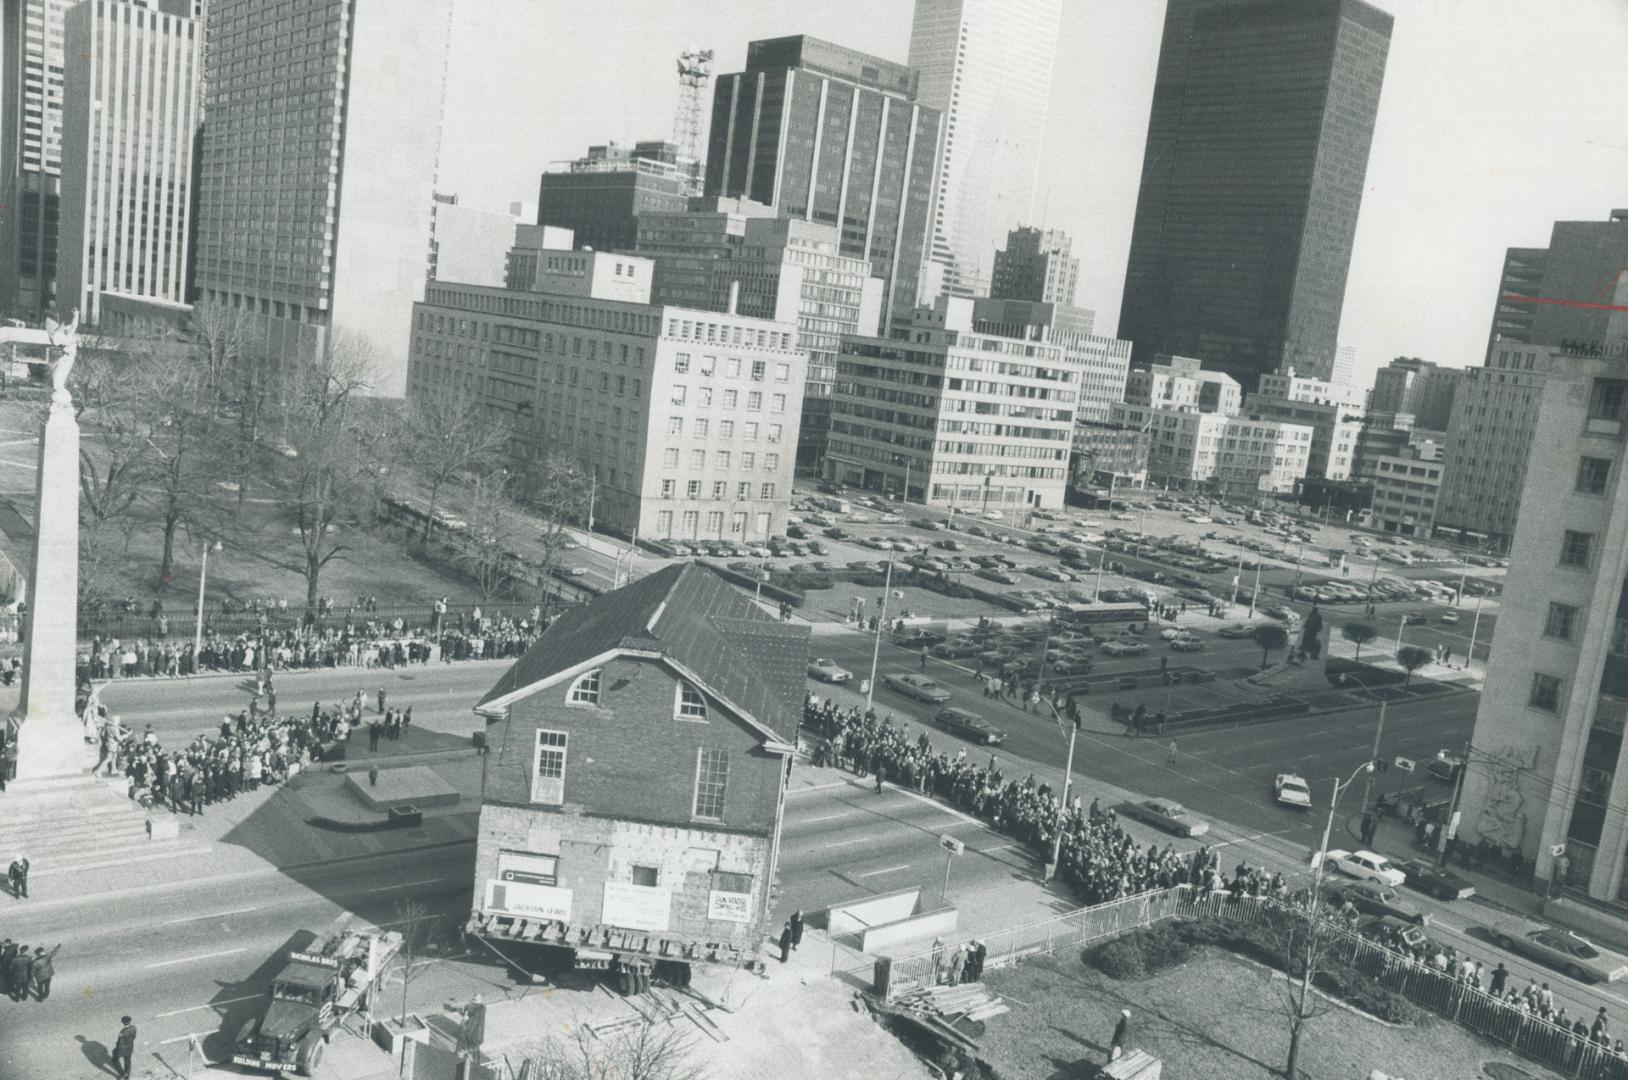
(952, 1004)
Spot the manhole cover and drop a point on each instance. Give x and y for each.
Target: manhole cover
(1500, 1071)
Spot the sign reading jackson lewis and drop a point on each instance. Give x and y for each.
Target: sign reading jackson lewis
(636, 907)
(729, 906)
(529, 901)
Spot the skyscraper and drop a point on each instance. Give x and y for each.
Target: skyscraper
(828, 134)
(1035, 265)
(986, 65)
(31, 71)
(128, 119)
(316, 192)
(1263, 113)
(600, 196)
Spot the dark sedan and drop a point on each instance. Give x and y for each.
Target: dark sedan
(1442, 884)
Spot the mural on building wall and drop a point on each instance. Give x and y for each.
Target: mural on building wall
(1503, 816)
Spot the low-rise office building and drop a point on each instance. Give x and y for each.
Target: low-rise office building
(1333, 411)
(687, 420)
(953, 417)
(1406, 489)
(1104, 362)
(1234, 455)
(1178, 382)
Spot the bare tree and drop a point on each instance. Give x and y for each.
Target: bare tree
(418, 945)
(450, 436)
(1358, 634)
(645, 1051)
(1305, 941)
(177, 403)
(1412, 658)
(558, 490)
(495, 527)
(221, 336)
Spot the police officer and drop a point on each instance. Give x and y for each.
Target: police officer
(123, 1047)
(22, 970)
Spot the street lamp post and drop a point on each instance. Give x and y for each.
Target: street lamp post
(203, 573)
(1475, 626)
(1255, 596)
(876, 645)
(1102, 557)
(1068, 780)
(1401, 624)
(1379, 731)
(1328, 828)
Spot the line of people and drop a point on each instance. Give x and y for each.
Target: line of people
(25, 974)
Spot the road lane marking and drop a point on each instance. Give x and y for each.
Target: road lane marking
(184, 1038)
(408, 884)
(817, 787)
(884, 870)
(216, 915)
(822, 817)
(845, 843)
(935, 805)
(191, 959)
(209, 1005)
(997, 847)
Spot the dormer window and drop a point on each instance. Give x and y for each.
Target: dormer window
(691, 705)
(585, 691)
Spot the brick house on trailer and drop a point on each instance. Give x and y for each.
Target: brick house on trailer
(636, 776)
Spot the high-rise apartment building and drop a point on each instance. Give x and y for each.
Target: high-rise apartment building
(687, 420)
(1410, 385)
(834, 136)
(317, 191)
(986, 65)
(1566, 291)
(950, 416)
(1035, 265)
(1103, 362)
(32, 67)
(1546, 772)
(600, 196)
(1263, 113)
(128, 119)
(740, 258)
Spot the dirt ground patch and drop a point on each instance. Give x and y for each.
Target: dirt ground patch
(1213, 1018)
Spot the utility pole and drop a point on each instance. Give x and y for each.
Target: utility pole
(1401, 624)
(881, 623)
(1062, 805)
(1256, 595)
(1475, 626)
(1452, 807)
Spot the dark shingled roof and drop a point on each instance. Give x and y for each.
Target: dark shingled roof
(690, 614)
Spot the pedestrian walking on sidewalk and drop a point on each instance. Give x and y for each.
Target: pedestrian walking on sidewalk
(1172, 758)
(785, 942)
(22, 971)
(19, 877)
(1122, 1034)
(924, 658)
(381, 699)
(123, 1048)
(796, 928)
(44, 971)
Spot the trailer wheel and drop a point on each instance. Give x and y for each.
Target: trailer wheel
(310, 1057)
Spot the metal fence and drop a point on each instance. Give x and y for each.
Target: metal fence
(1524, 1033)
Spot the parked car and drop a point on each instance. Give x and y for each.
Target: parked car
(1187, 644)
(969, 725)
(1167, 815)
(919, 687)
(997, 575)
(950, 544)
(1444, 766)
(1562, 949)
(1450, 617)
(1389, 926)
(1366, 866)
(818, 548)
(1443, 884)
(827, 670)
(1371, 898)
(1124, 648)
(1237, 630)
(920, 639)
(1292, 790)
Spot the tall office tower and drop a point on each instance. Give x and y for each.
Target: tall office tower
(737, 256)
(1563, 292)
(831, 135)
(1548, 773)
(1035, 265)
(31, 71)
(600, 195)
(316, 192)
(1263, 112)
(1410, 385)
(1345, 366)
(986, 65)
(128, 118)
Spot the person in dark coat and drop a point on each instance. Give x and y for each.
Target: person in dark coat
(123, 1048)
(796, 928)
(19, 877)
(1500, 976)
(785, 942)
(1122, 1034)
(22, 970)
(44, 971)
(8, 953)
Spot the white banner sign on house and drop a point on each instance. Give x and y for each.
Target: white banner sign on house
(729, 906)
(637, 907)
(528, 901)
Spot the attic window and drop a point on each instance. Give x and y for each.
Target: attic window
(585, 691)
(691, 705)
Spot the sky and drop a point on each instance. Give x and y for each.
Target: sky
(1498, 118)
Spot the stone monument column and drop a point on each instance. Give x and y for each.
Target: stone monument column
(51, 739)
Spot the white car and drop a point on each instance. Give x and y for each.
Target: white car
(1292, 790)
(1124, 648)
(827, 670)
(1366, 866)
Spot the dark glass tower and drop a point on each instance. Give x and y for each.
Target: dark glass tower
(1263, 113)
(828, 134)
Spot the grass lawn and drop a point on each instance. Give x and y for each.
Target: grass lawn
(1212, 1018)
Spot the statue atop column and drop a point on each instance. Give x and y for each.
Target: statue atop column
(64, 338)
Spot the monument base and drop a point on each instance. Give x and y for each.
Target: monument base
(49, 747)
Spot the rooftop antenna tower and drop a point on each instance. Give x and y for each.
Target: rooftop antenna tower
(694, 73)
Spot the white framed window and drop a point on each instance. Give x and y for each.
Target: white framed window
(701, 426)
(689, 704)
(748, 459)
(692, 490)
(718, 489)
(698, 459)
(585, 691)
(664, 522)
(768, 491)
(681, 363)
(778, 403)
(743, 490)
(675, 425)
(771, 461)
(667, 485)
(758, 369)
(731, 398)
(711, 782)
(548, 768)
(782, 372)
(722, 457)
(669, 457)
(754, 400)
(680, 393)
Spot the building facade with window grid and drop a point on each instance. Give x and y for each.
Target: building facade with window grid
(1406, 490)
(1209, 451)
(1546, 769)
(32, 69)
(687, 420)
(635, 780)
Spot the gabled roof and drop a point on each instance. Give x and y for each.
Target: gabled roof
(687, 613)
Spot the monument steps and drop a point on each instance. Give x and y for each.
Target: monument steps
(80, 823)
